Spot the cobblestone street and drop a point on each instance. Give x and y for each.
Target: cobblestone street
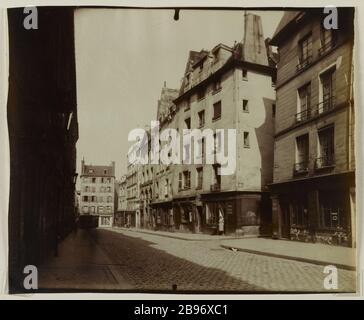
(149, 262)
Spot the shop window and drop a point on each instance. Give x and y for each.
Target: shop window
(332, 210)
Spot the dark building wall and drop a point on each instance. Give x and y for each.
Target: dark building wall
(43, 130)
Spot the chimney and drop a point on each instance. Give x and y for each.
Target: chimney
(254, 49)
(113, 167)
(82, 165)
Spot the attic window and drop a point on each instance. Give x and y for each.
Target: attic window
(245, 74)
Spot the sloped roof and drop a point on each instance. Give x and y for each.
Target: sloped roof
(98, 171)
(287, 18)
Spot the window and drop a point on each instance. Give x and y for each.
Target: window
(245, 74)
(301, 154)
(108, 189)
(327, 39)
(105, 171)
(201, 149)
(326, 151)
(199, 174)
(201, 94)
(188, 123)
(92, 209)
(332, 213)
(166, 187)
(305, 52)
(299, 211)
(216, 86)
(304, 103)
(180, 181)
(246, 140)
(102, 189)
(109, 199)
(186, 153)
(85, 198)
(186, 179)
(93, 180)
(201, 118)
(327, 90)
(217, 141)
(85, 209)
(274, 110)
(245, 105)
(100, 209)
(217, 110)
(86, 188)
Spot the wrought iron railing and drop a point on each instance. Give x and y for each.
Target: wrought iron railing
(326, 105)
(304, 63)
(325, 161)
(300, 167)
(326, 47)
(215, 187)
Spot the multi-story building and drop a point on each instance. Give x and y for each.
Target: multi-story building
(314, 160)
(162, 174)
(120, 202)
(97, 192)
(132, 192)
(225, 88)
(43, 130)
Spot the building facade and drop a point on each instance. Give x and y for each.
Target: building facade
(97, 192)
(43, 131)
(313, 191)
(120, 215)
(225, 88)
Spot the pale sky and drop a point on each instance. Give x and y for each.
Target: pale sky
(123, 57)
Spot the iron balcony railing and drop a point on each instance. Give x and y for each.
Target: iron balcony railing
(304, 63)
(326, 105)
(325, 161)
(326, 47)
(215, 187)
(311, 112)
(300, 167)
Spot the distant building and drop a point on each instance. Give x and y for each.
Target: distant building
(313, 191)
(120, 215)
(97, 192)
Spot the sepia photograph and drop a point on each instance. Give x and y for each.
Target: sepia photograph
(182, 150)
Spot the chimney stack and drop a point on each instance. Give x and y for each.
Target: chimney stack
(254, 48)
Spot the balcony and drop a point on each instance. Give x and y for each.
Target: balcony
(300, 168)
(326, 105)
(326, 47)
(304, 63)
(303, 115)
(215, 187)
(327, 161)
(311, 112)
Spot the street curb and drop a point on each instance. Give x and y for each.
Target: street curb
(179, 237)
(282, 256)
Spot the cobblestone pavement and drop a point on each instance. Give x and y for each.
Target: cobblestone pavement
(152, 262)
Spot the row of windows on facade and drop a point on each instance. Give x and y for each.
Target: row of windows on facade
(97, 199)
(305, 108)
(328, 38)
(94, 209)
(93, 189)
(184, 181)
(326, 150)
(96, 180)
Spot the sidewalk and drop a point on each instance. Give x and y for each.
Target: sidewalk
(183, 235)
(315, 253)
(80, 265)
(322, 254)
